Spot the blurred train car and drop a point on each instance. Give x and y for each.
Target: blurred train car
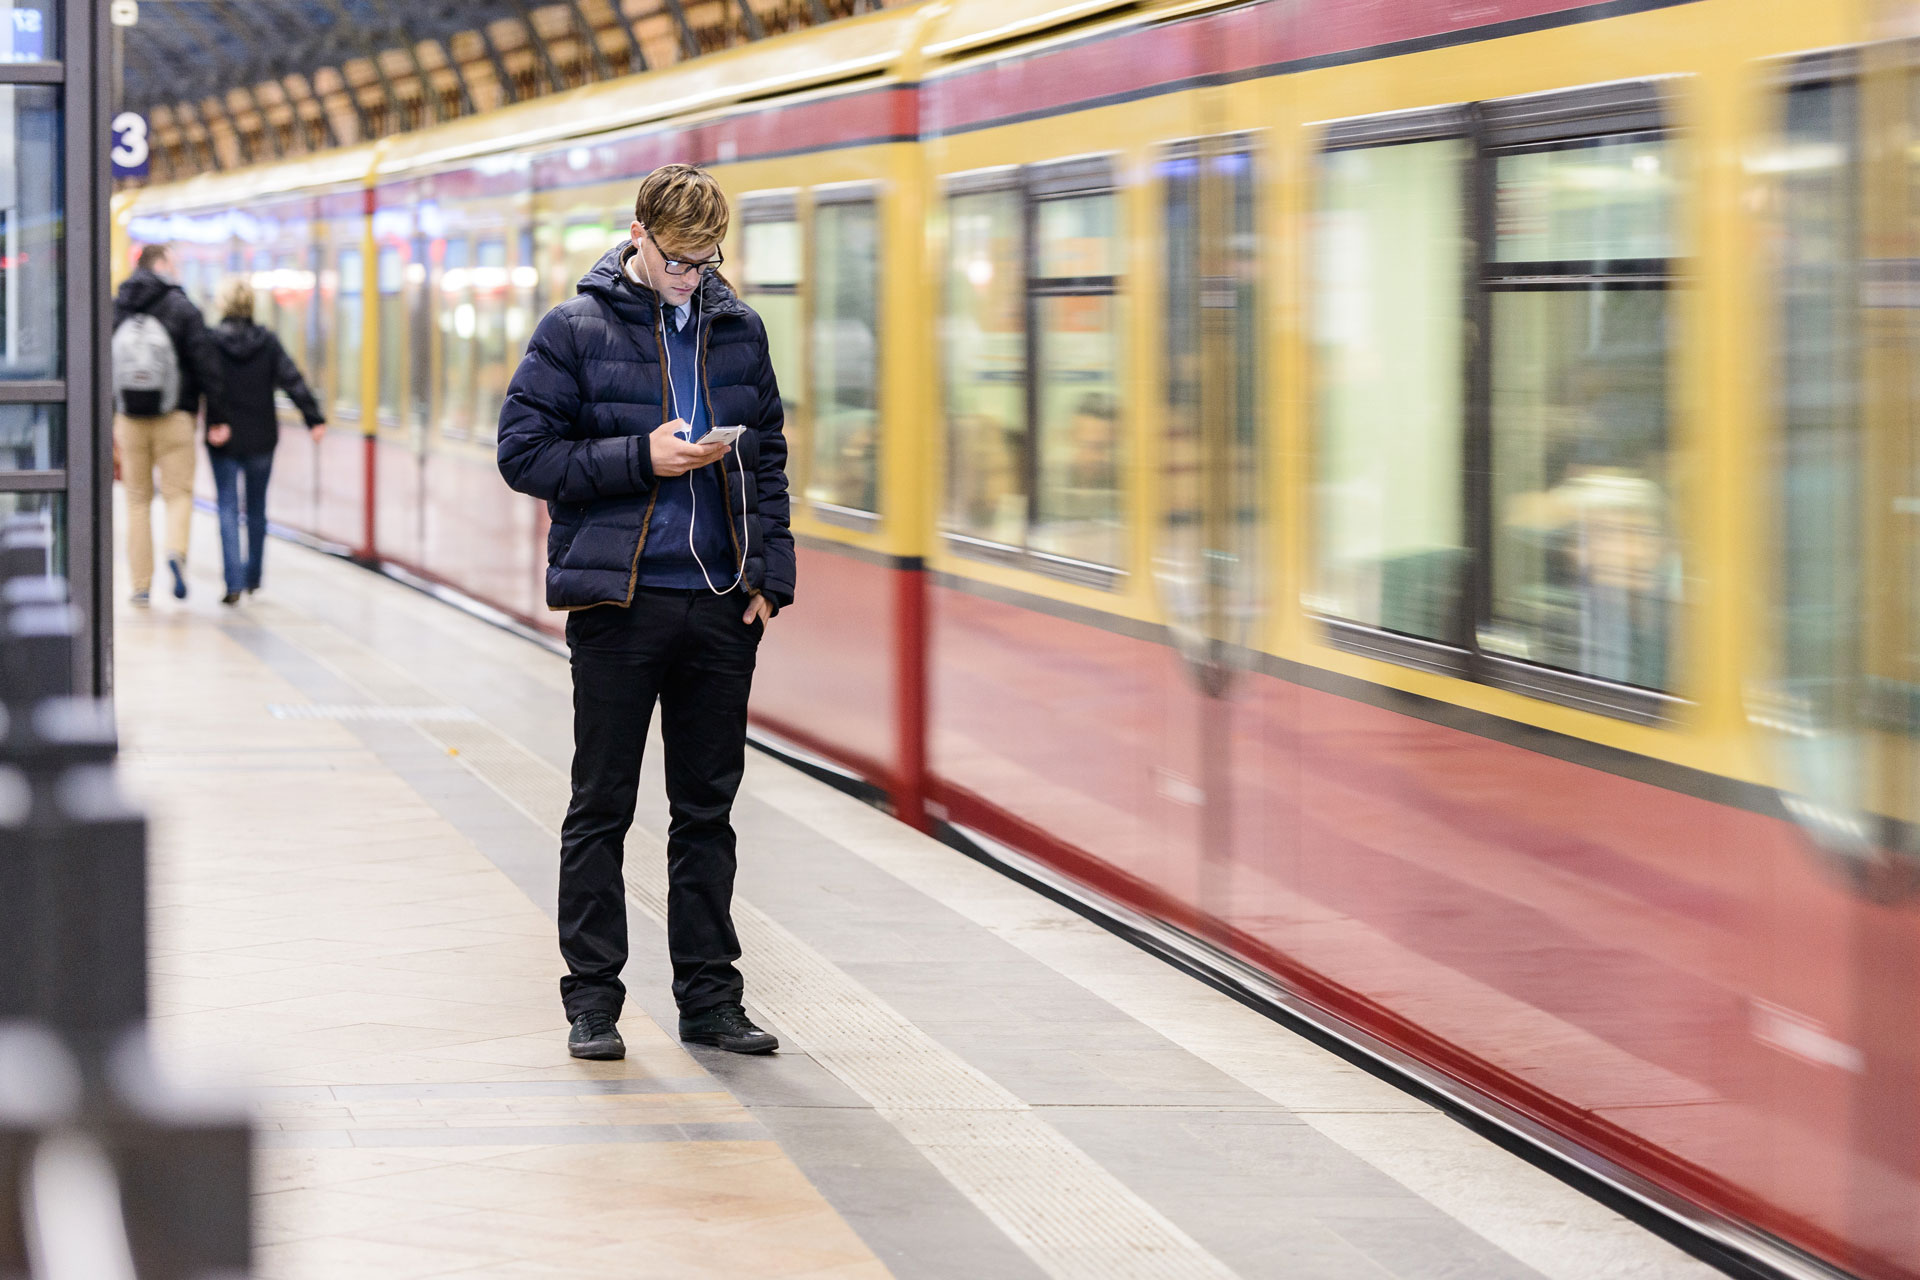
(1411, 498)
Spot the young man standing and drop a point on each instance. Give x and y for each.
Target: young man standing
(670, 551)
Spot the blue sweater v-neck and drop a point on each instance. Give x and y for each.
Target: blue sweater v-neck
(693, 500)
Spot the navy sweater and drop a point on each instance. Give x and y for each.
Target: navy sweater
(667, 561)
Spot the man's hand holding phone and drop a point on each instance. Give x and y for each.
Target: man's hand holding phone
(674, 455)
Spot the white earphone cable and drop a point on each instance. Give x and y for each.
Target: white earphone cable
(693, 490)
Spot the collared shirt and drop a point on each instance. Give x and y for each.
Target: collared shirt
(677, 315)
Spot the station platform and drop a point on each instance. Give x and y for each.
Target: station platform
(356, 791)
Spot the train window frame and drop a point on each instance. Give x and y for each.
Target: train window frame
(1032, 186)
(830, 195)
(758, 208)
(1492, 129)
(1448, 123)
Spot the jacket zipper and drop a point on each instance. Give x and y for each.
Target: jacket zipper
(646, 521)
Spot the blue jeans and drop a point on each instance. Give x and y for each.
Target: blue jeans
(242, 565)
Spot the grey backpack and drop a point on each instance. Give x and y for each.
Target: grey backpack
(146, 372)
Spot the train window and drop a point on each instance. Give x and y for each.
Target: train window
(985, 342)
(292, 291)
(456, 343)
(770, 284)
(1389, 337)
(390, 274)
(844, 478)
(419, 336)
(1821, 488)
(490, 283)
(1078, 507)
(347, 325)
(1585, 566)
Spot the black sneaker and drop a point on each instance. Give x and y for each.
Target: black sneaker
(232, 597)
(178, 568)
(726, 1026)
(595, 1036)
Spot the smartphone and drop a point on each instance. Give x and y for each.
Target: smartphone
(725, 435)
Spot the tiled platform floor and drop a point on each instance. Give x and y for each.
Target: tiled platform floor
(355, 790)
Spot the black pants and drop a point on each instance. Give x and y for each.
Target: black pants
(691, 652)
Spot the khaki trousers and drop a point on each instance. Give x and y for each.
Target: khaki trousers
(166, 442)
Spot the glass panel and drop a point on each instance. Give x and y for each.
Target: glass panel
(490, 283)
(1182, 451)
(986, 374)
(1388, 268)
(292, 291)
(32, 282)
(772, 252)
(1077, 237)
(1819, 468)
(582, 245)
(51, 508)
(456, 343)
(29, 30)
(1586, 570)
(419, 337)
(347, 325)
(393, 333)
(33, 437)
(846, 357)
(1592, 200)
(1079, 511)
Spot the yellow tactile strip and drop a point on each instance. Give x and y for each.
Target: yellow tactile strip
(321, 931)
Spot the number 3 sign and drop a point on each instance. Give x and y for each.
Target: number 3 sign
(130, 146)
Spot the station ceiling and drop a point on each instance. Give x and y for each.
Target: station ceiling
(226, 83)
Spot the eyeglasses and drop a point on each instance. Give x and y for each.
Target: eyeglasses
(706, 266)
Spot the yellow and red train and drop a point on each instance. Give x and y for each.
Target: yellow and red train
(1413, 496)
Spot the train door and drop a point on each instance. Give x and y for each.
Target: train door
(1210, 527)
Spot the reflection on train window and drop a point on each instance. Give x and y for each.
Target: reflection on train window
(347, 326)
(390, 269)
(770, 284)
(1585, 564)
(845, 365)
(419, 295)
(582, 245)
(985, 341)
(266, 307)
(1818, 469)
(32, 249)
(292, 291)
(1078, 508)
(490, 284)
(456, 343)
(1388, 335)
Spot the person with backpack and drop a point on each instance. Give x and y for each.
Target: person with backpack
(253, 364)
(164, 366)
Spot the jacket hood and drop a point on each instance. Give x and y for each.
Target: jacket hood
(637, 304)
(141, 290)
(240, 339)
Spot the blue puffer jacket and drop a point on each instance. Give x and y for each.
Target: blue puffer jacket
(578, 413)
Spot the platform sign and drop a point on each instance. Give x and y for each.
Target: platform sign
(23, 34)
(130, 146)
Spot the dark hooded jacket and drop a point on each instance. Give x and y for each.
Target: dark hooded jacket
(254, 363)
(575, 426)
(146, 293)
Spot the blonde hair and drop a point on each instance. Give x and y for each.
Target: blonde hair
(683, 209)
(236, 298)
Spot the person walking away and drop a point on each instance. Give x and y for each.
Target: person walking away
(164, 366)
(669, 551)
(253, 364)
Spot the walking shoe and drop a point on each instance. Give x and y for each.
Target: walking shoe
(595, 1036)
(232, 597)
(179, 570)
(140, 599)
(726, 1026)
